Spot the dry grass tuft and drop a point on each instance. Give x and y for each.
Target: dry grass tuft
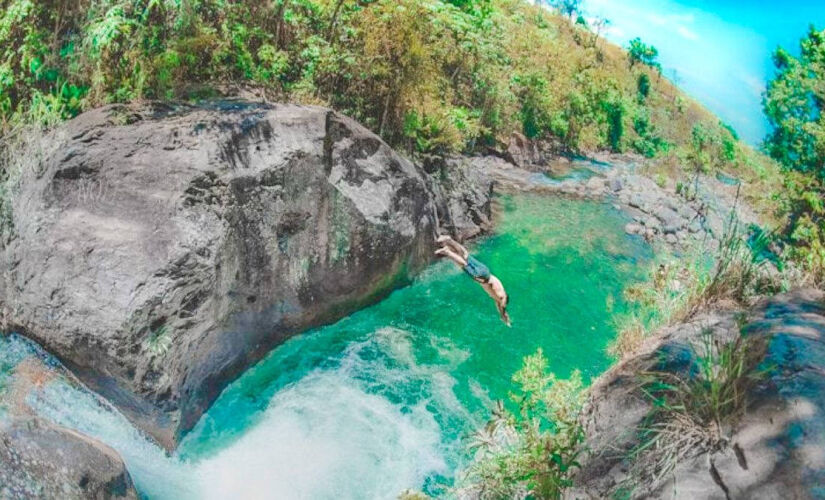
(694, 412)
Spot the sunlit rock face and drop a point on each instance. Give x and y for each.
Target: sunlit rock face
(160, 250)
(775, 450)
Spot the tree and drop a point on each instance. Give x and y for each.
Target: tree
(794, 102)
(640, 52)
(569, 8)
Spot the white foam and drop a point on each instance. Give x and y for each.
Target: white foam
(324, 437)
(346, 431)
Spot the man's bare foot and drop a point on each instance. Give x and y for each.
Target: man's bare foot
(443, 238)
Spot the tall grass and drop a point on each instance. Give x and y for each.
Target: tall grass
(695, 411)
(737, 270)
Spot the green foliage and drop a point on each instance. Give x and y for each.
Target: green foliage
(430, 76)
(531, 452)
(640, 52)
(616, 111)
(159, 340)
(571, 9)
(643, 86)
(794, 104)
(536, 106)
(712, 147)
(648, 143)
(803, 202)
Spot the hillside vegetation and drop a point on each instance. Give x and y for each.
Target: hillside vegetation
(430, 76)
(794, 103)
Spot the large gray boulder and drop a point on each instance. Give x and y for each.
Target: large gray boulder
(464, 195)
(41, 460)
(160, 250)
(776, 450)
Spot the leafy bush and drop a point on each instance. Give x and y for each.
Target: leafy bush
(648, 143)
(803, 201)
(640, 52)
(794, 105)
(643, 86)
(712, 147)
(530, 452)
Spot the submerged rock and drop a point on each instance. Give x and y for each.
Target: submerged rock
(774, 451)
(42, 460)
(158, 251)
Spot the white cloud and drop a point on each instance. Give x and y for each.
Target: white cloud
(755, 84)
(686, 33)
(669, 19)
(657, 19)
(615, 32)
(682, 18)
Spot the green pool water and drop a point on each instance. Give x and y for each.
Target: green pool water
(395, 387)
(383, 399)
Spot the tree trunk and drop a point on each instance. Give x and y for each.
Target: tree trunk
(334, 20)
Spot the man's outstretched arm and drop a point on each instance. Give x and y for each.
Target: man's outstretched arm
(455, 246)
(446, 252)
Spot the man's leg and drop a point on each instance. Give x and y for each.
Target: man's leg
(446, 252)
(454, 245)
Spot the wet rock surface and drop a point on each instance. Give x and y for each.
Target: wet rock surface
(39, 458)
(42, 460)
(775, 451)
(464, 196)
(160, 250)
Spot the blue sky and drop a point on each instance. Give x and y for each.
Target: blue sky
(719, 51)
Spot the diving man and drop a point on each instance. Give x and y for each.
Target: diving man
(478, 271)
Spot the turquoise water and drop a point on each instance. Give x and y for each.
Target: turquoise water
(381, 400)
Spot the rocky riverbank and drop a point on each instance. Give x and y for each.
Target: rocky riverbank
(774, 450)
(38, 458)
(678, 218)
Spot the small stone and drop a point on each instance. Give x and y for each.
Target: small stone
(671, 221)
(637, 201)
(671, 238)
(652, 222)
(595, 185)
(633, 228)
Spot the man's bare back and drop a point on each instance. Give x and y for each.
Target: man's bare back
(478, 271)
